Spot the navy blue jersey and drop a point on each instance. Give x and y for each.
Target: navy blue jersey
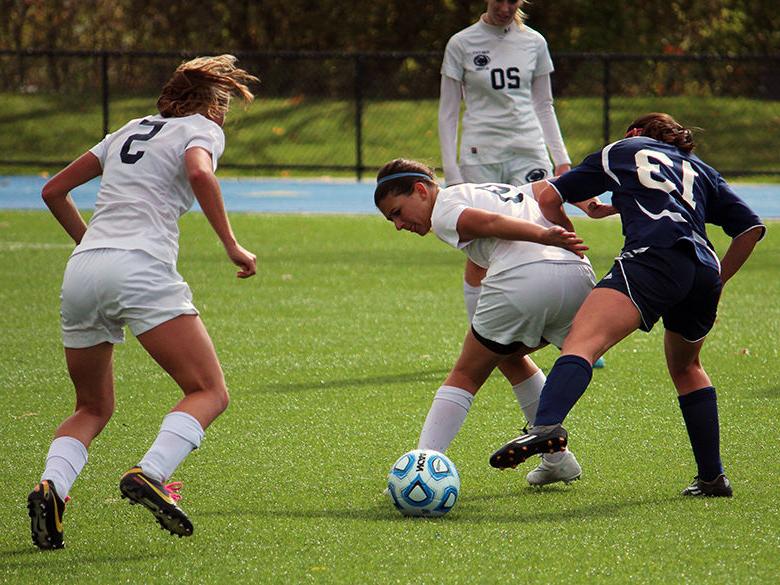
(663, 194)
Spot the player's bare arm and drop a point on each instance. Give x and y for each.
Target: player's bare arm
(478, 223)
(551, 205)
(56, 193)
(595, 209)
(593, 206)
(206, 188)
(739, 251)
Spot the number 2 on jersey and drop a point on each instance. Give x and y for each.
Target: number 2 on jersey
(645, 169)
(131, 158)
(500, 191)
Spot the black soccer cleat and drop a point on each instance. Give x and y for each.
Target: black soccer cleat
(158, 498)
(539, 439)
(720, 487)
(46, 509)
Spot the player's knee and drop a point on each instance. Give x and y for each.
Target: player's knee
(100, 410)
(467, 379)
(222, 400)
(217, 392)
(209, 381)
(679, 367)
(681, 372)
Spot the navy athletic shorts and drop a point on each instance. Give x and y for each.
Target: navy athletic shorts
(668, 283)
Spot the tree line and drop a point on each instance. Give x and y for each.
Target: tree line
(672, 27)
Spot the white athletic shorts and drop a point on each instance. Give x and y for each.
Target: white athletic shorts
(516, 171)
(531, 304)
(105, 289)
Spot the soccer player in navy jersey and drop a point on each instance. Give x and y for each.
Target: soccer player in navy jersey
(667, 270)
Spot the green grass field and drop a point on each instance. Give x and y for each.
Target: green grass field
(333, 353)
(740, 133)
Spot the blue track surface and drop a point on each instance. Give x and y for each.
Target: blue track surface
(307, 196)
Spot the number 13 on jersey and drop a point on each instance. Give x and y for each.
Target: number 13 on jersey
(645, 168)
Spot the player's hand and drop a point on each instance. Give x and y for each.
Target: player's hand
(599, 210)
(560, 169)
(244, 259)
(557, 236)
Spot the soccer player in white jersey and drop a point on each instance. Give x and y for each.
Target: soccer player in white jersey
(537, 277)
(123, 272)
(500, 67)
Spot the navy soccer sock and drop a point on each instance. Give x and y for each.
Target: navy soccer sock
(700, 412)
(567, 381)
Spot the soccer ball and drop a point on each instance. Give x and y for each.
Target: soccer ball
(423, 483)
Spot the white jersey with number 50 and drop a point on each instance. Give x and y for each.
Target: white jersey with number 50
(496, 66)
(492, 253)
(144, 187)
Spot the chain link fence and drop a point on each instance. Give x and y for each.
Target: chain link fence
(347, 113)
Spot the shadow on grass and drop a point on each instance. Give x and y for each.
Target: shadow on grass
(564, 513)
(22, 551)
(466, 514)
(773, 392)
(354, 382)
(374, 513)
(29, 115)
(31, 557)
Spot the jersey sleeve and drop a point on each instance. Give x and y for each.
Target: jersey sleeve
(99, 150)
(452, 64)
(728, 211)
(586, 180)
(209, 137)
(444, 220)
(544, 64)
(445, 224)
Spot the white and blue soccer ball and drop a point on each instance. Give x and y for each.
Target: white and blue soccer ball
(423, 483)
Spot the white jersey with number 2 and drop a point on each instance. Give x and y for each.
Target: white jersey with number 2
(144, 187)
(492, 253)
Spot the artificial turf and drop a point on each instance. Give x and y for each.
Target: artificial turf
(332, 355)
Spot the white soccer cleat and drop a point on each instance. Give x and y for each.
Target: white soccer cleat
(566, 470)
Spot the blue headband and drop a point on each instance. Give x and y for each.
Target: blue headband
(387, 178)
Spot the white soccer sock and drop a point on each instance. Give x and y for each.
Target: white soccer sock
(448, 411)
(470, 298)
(65, 460)
(179, 434)
(553, 457)
(527, 393)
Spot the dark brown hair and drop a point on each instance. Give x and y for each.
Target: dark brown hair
(666, 129)
(401, 185)
(204, 86)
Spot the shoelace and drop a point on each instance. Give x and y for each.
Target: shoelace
(173, 489)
